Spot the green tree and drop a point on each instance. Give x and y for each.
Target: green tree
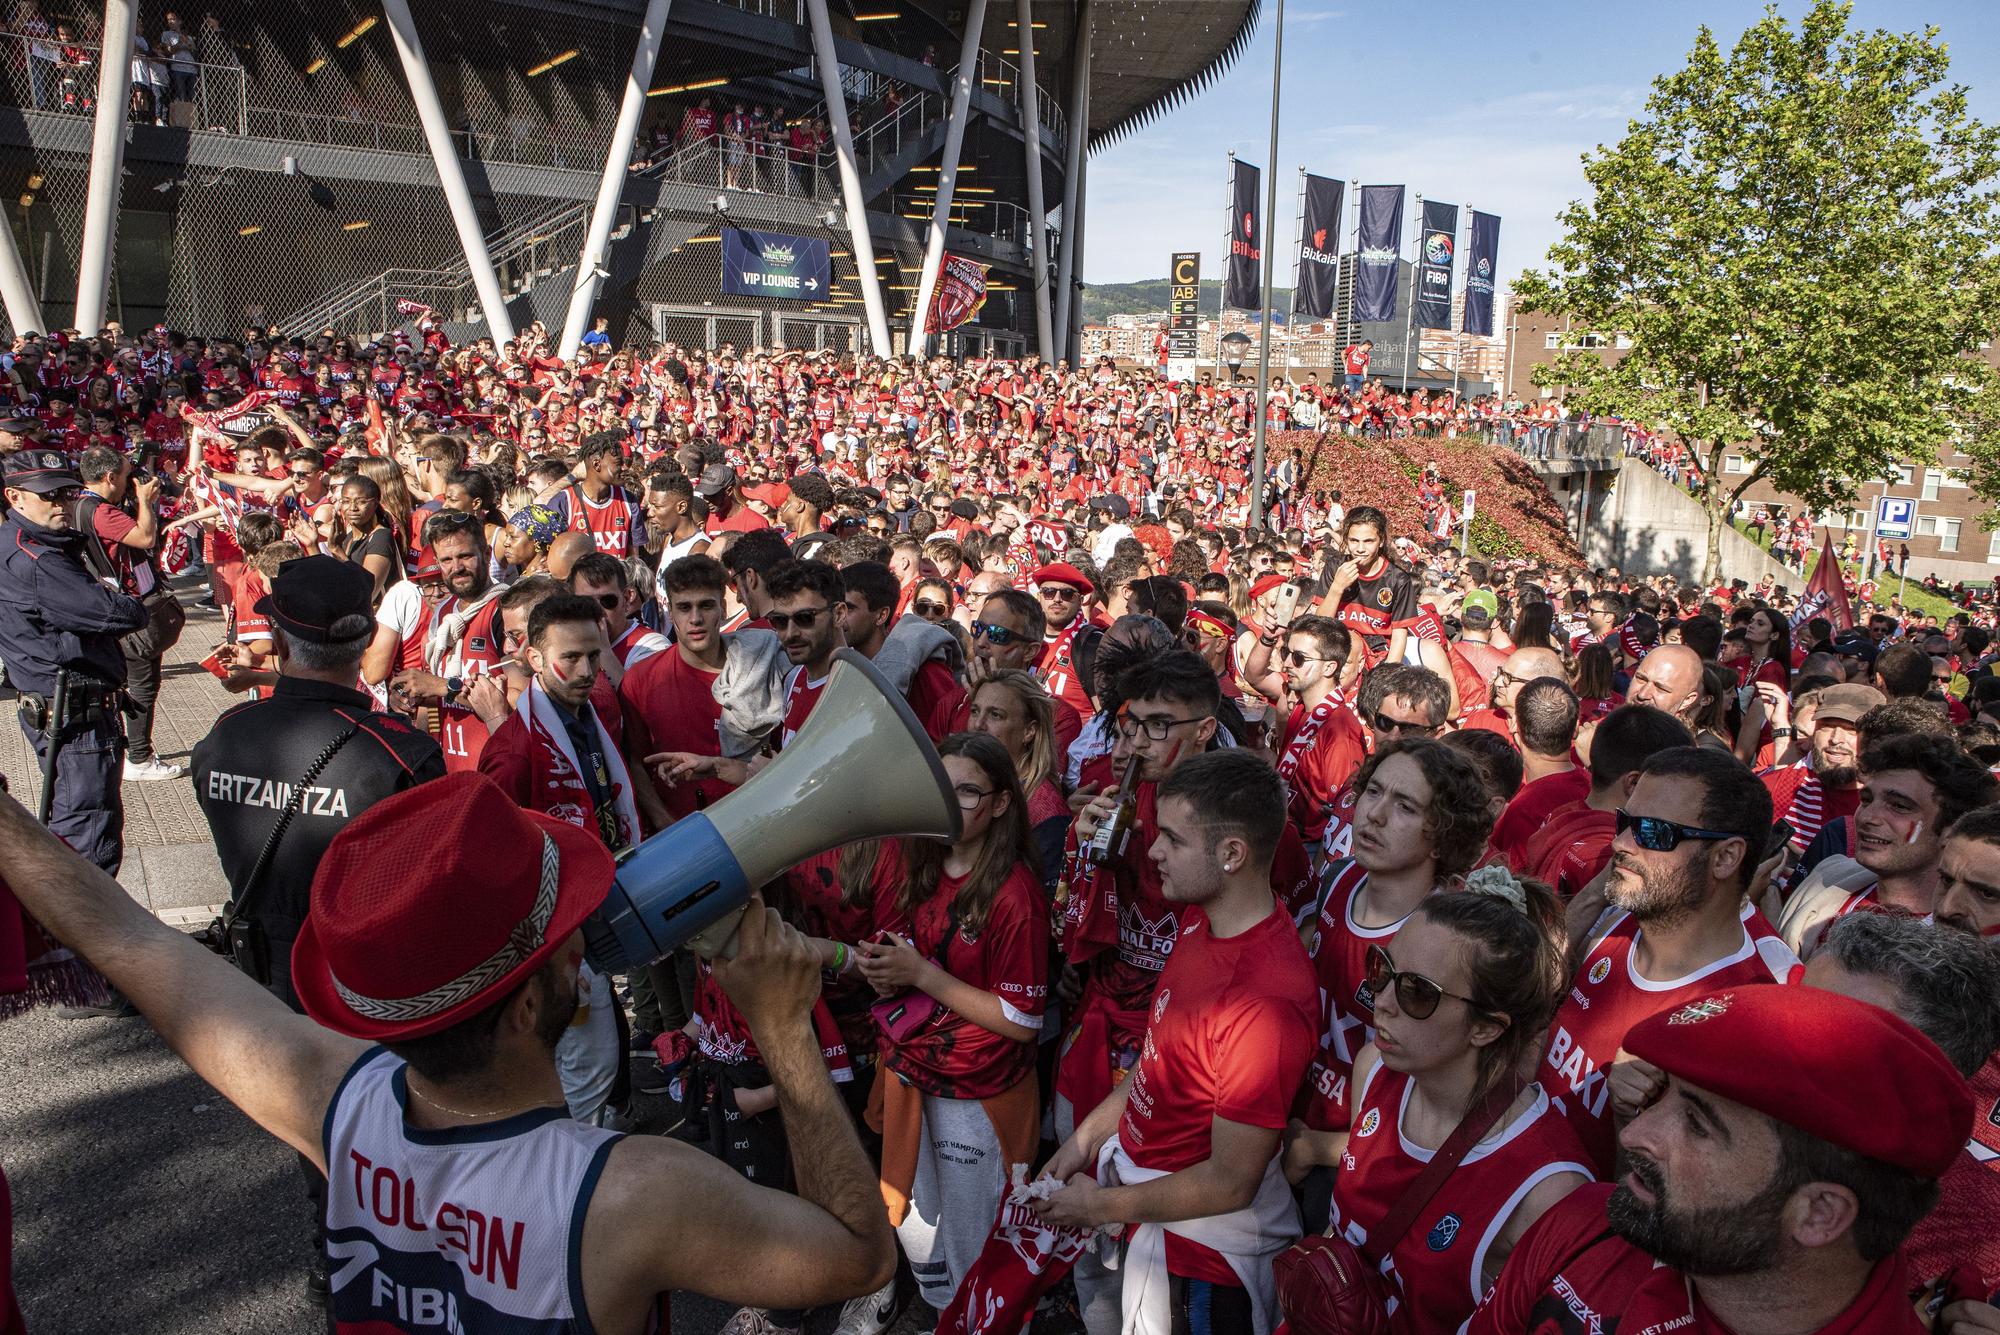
(1799, 237)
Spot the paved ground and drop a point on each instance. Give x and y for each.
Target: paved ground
(143, 1201)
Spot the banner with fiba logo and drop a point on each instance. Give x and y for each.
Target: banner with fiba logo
(1378, 250)
(1319, 248)
(961, 291)
(1482, 261)
(1242, 267)
(1436, 251)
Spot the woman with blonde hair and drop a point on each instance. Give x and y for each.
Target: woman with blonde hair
(1015, 710)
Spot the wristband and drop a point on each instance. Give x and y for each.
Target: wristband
(1781, 732)
(840, 957)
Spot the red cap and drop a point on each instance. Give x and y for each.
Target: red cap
(1264, 586)
(427, 564)
(773, 494)
(1835, 1068)
(1062, 572)
(433, 904)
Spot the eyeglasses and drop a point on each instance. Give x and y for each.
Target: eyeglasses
(804, 619)
(930, 609)
(1386, 726)
(1156, 729)
(1657, 834)
(970, 797)
(1416, 995)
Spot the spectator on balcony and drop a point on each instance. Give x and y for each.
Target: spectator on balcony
(77, 86)
(177, 49)
(149, 84)
(735, 146)
(698, 124)
(44, 56)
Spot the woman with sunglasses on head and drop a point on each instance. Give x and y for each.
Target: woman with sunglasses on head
(973, 962)
(1462, 1001)
(932, 600)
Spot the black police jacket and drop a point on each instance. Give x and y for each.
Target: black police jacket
(245, 769)
(54, 613)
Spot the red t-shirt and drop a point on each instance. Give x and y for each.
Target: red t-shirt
(670, 705)
(741, 519)
(1346, 1010)
(1322, 749)
(936, 698)
(1230, 1037)
(1530, 809)
(1570, 1274)
(800, 697)
(953, 1057)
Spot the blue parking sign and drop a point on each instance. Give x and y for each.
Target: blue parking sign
(1895, 518)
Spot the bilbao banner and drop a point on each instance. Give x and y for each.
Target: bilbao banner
(771, 264)
(1482, 262)
(1319, 248)
(1242, 270)
(1437, 248)
(1378, 249)
(961, 291)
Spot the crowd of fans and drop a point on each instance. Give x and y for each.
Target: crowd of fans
(1269, 837)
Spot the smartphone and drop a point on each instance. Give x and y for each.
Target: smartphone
(1284, 604)
(1781, 834)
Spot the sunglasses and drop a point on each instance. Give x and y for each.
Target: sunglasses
(1416, 995)
(930, 609)
(998, 636)
(1657, 834)
(1299, 658)
(1385, 726)
(804, 620)
(1060, 593)
(610, 602)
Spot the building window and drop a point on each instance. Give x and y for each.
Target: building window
(1927, 526)
(1993, 548)
(1948, 534)
(1592, 341)
(1932, 478)
(1734, 463)
(1900, 475)
(1549, 339)
(1858, 519)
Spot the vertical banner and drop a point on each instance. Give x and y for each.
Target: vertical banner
(961, 292)
(1184, 315)
(1242, 272)
(1319, 248)
(1378, 250)
(1438, 247)
(1482, 259)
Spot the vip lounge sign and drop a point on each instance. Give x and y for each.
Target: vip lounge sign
(772, 264)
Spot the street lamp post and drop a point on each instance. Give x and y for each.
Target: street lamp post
(1235, 348)
(1270, 230)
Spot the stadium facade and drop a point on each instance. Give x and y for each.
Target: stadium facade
(330, 165)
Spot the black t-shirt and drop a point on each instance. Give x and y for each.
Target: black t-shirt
(1374, 606)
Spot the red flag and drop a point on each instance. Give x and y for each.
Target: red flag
(1826, 593)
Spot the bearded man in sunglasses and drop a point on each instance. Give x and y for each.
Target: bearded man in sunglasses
(1006, 633)
(1690, 837)
(1323, 742)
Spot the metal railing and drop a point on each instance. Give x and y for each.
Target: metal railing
(58, 75)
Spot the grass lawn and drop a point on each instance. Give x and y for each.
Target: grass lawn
(1916, 599)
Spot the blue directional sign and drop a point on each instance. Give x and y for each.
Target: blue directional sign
(1895, 518)
(772, 264)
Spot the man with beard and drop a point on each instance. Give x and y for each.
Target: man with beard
(1574, 843)
(807, 599)
(455, 640)
(1968, 900)
(1006, 632)
(1689, 840)
(1824, 786)
(1913, 786)
(1946, 983)
(1323, 743)
(1067, 596)
(1798, 1141)
(1522, 666)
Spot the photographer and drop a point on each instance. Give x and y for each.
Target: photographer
(119, 510)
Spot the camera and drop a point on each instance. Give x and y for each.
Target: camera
(169, 489)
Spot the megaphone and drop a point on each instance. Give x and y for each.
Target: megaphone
(860, 768)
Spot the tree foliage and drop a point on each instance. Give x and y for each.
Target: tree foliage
(1799, 236)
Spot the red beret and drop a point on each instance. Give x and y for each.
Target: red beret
(1836, 1068)
(1062, 572)
(1264, 586)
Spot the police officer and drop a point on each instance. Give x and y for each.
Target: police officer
(315, 746)
(57, 619)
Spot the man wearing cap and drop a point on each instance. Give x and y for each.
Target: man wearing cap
(727, 511)
(1474, 643)
(56, 617)
(445, 927)
(1066, 595)
(1823, 785)
(1799, 1138)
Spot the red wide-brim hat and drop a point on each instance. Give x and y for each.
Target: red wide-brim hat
(436, 903)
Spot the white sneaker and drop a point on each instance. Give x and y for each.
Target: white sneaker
(869, 1314)
(753, 1321)
(149, 770)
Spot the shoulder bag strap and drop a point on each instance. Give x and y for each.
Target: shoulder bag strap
(246, 898)
(1477, 1121)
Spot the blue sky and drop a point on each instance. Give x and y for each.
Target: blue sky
(1484, 104)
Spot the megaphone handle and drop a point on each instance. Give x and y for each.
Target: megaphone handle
(717, 941)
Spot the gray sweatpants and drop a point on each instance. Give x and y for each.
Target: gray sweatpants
(956, 1193)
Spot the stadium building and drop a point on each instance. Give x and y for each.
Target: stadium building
(334, 165)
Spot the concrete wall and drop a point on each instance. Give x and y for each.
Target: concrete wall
(1644, 524)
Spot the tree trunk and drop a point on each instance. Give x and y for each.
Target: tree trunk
(1715, 503)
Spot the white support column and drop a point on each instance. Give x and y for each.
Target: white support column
(24, 312)
(1038, 214)
(107, 166)
(590, 263)
(451, 176)
(954, 140)
(859, 239)
(1072, 332)
(1079, 135)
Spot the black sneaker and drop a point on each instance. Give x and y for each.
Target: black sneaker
(642, 1040)
(649, 1077)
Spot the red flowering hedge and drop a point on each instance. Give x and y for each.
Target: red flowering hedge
(1515, 514)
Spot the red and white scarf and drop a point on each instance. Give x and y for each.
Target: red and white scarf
(565, 773)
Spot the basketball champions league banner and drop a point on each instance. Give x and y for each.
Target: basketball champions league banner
(1378, 251)
(1242, 266)
(1319, 248)
(1435, 253)
(1482, 262)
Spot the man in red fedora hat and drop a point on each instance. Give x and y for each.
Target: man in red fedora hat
(438, 966)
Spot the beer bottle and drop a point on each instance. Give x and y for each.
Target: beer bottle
(1115, 830)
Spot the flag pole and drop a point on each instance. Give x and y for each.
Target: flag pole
(1270, 226)
(1410, 311)
(1222, 287)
